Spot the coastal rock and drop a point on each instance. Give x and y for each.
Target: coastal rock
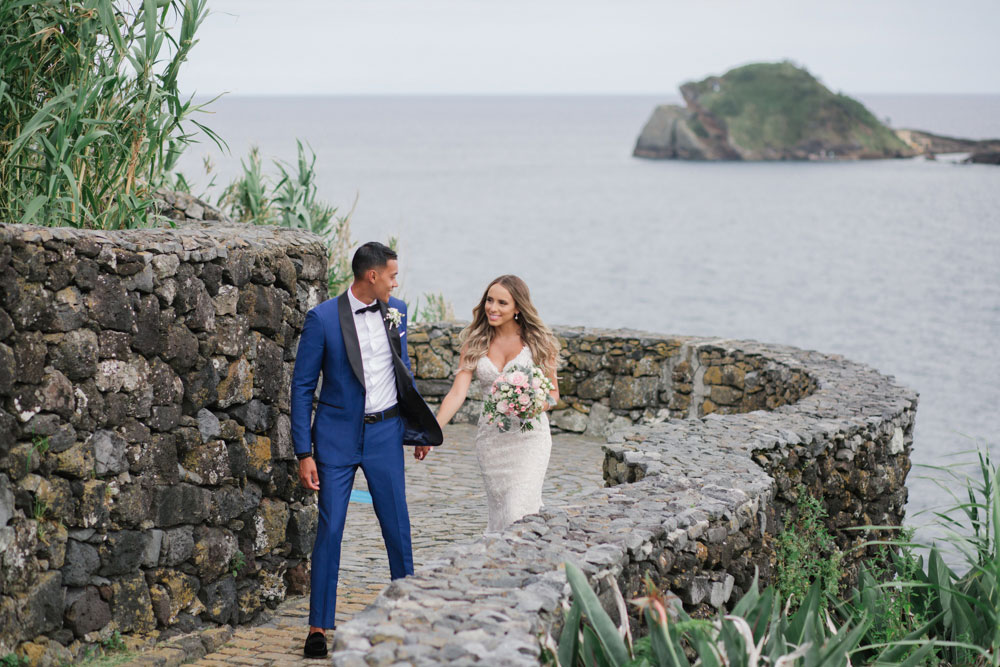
(766, 111)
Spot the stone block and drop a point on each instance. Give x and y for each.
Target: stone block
(110, 305)
(208, 425)
(269, 524)
(8, 370)
(122, 552)
(263, 306)
(6, 500)
(268, 371)
(181, 350)
(209, 461)
(131, 606)
(281, 439)
(41, 606)
(227, 504)
(29, 351)
(76, 462)
(219, 598)
(255, 416)
(86, 612)
(76, 355)
(109, 452)
(629, 392)
(725, 395)
(155, 459)
(232, 336)
(301, 534)
(178, 589)
(596, 386)
(570, 420)
(194, 301)
(132, 505)
(165, 417)
(93, 508)
(213, 549)
(177, 545)
(149, 336)
(258, 457)
(201, 387)
(180, 503)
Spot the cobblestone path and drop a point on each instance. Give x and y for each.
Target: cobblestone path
(447, 505)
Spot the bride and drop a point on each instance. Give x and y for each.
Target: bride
(505, 330)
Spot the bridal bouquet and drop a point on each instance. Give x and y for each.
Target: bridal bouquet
(517, 397)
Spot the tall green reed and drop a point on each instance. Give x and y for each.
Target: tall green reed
(925, 600)
(292, 201)
(91, 114)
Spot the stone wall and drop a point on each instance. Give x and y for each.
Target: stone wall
(709, 445)
(147, 478)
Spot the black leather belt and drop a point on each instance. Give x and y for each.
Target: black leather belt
(376, 417)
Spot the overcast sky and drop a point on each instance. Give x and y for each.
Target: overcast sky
(588, 46)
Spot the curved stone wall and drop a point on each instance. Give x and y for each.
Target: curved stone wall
(147, 478)
(710, 442)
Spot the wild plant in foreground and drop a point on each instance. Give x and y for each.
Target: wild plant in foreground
(758, 631)
(928, 602)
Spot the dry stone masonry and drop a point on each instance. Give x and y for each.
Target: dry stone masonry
(147, 478)
(709, 444)
(148, 484)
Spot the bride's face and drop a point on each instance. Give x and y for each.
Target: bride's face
(499, 305)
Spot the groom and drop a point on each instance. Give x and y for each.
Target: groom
(368, 408)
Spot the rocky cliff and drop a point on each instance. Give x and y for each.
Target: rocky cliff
(766, 111)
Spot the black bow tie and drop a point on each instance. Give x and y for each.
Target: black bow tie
(368, 309)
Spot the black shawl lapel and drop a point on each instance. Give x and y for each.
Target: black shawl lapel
(350, 333)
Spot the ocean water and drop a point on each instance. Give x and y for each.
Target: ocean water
(894, 263)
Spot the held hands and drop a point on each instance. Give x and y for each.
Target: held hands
(308, 475)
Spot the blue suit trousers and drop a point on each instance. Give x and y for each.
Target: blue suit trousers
(379, 454)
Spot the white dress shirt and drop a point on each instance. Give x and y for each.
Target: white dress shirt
(376, 357)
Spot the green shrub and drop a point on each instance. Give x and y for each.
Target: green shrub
(806, 553)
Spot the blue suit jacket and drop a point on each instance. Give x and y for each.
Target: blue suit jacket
(329, 345)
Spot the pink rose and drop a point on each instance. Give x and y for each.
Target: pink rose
(502, 407)
(536, 383)
(518, 378)
(524, 399)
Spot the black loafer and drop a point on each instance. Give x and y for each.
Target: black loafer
(315, 645)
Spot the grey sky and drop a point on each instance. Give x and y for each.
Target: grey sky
(588, 46)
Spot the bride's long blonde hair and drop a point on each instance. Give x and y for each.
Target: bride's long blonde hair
(476, 337)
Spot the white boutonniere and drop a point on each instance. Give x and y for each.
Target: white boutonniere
(393, 317)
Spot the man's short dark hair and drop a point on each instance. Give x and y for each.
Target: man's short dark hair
(372, 255)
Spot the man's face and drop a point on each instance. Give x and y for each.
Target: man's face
(385, 280)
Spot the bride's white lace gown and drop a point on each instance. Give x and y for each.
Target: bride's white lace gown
(513, 463)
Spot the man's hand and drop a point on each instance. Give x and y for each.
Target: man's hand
(307, 474)
(420, 451)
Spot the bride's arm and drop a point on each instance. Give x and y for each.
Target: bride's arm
(456, 396)
(551, 373)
